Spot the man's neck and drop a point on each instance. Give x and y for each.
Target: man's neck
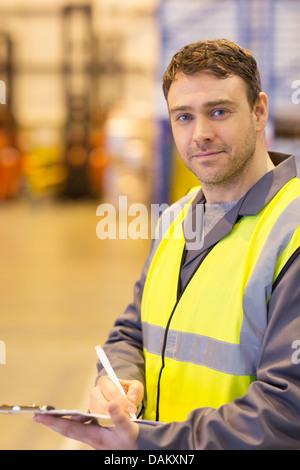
(234, 189)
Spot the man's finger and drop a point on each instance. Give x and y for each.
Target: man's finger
(126, 428)
(135, 392)
(109, 389)
(111, 393)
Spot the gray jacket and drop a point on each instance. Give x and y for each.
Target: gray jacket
(268, 415)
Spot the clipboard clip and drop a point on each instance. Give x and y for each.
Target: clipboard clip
(13, 408)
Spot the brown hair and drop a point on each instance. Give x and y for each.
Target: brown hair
(220, 57)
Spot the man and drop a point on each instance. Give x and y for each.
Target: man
(211, 331)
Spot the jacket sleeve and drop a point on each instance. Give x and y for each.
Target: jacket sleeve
(268, 415)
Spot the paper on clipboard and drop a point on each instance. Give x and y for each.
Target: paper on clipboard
(103, 420)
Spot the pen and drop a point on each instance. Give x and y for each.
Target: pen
(110, 372)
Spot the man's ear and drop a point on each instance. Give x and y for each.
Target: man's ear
(260, 112)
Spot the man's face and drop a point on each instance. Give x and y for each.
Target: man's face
(213, 126)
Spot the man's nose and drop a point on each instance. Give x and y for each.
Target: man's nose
(203, 130)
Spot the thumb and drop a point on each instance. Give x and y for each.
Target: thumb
(127, 430)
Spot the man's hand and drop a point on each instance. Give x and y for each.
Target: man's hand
(105, 392)
(121, 437)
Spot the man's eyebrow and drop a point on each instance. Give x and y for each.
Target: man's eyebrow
(178, 109)
(219, 102)
(208, 104)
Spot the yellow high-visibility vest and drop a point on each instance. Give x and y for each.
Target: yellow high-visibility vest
(202, 348)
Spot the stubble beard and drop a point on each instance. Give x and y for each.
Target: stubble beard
(235, 168)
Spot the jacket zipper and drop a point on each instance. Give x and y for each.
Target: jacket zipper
(163, 352)
(179, 295)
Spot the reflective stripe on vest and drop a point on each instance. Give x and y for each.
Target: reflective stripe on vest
(202, 349)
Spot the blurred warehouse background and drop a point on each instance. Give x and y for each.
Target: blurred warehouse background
(83, 121)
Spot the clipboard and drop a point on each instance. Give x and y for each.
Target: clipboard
(103, 420)
(28, 410)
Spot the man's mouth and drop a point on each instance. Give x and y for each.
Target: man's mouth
(209, 154)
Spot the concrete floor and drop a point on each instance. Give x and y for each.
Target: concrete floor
(60, 290)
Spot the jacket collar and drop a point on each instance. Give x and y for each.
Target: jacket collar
(269, 185)
(254, 200)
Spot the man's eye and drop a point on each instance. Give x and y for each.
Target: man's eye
(184, 117)
(219, 112)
